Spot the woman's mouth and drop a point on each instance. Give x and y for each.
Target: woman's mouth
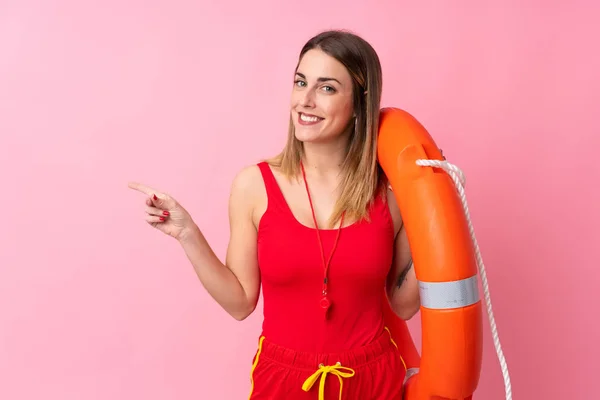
(308, 119)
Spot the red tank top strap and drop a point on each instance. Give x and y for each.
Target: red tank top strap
(274, 195)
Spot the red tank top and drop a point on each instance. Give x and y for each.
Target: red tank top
(292, 276)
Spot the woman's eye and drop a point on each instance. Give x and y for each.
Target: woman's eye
(329, 89)
(300, 83)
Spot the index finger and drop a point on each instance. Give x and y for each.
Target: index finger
(142, 188)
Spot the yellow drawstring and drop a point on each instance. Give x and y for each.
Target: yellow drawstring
(337, 370)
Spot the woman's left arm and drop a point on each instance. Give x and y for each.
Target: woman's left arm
(402, 286)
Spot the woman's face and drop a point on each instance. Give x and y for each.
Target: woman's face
(321, 102)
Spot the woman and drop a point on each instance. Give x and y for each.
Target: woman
(319, 229)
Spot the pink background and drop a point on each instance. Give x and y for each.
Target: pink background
(181, 94)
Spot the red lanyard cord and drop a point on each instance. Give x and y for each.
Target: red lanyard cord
(325, 303)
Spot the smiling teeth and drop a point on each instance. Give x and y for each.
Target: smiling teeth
(308, 119)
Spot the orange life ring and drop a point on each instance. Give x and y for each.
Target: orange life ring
(446, 262)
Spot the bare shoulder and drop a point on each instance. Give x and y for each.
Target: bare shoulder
(248, 192)
(247, 178)
(394, 210)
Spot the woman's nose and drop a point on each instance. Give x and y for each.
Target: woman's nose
(307, 98)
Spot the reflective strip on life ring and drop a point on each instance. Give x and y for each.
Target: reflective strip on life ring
(447, 295)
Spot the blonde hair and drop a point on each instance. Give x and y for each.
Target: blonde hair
(362, 177)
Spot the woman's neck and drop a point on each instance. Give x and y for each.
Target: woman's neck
(324, 160)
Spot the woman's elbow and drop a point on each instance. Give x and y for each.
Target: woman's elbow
(407, 310)
(240, 316)
(408, 313)
(243, 313)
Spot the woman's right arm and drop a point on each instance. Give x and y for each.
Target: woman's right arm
(235, 285)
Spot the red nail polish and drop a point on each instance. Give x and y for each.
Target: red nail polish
(162, 218)
(155, 198)
(165, 212)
